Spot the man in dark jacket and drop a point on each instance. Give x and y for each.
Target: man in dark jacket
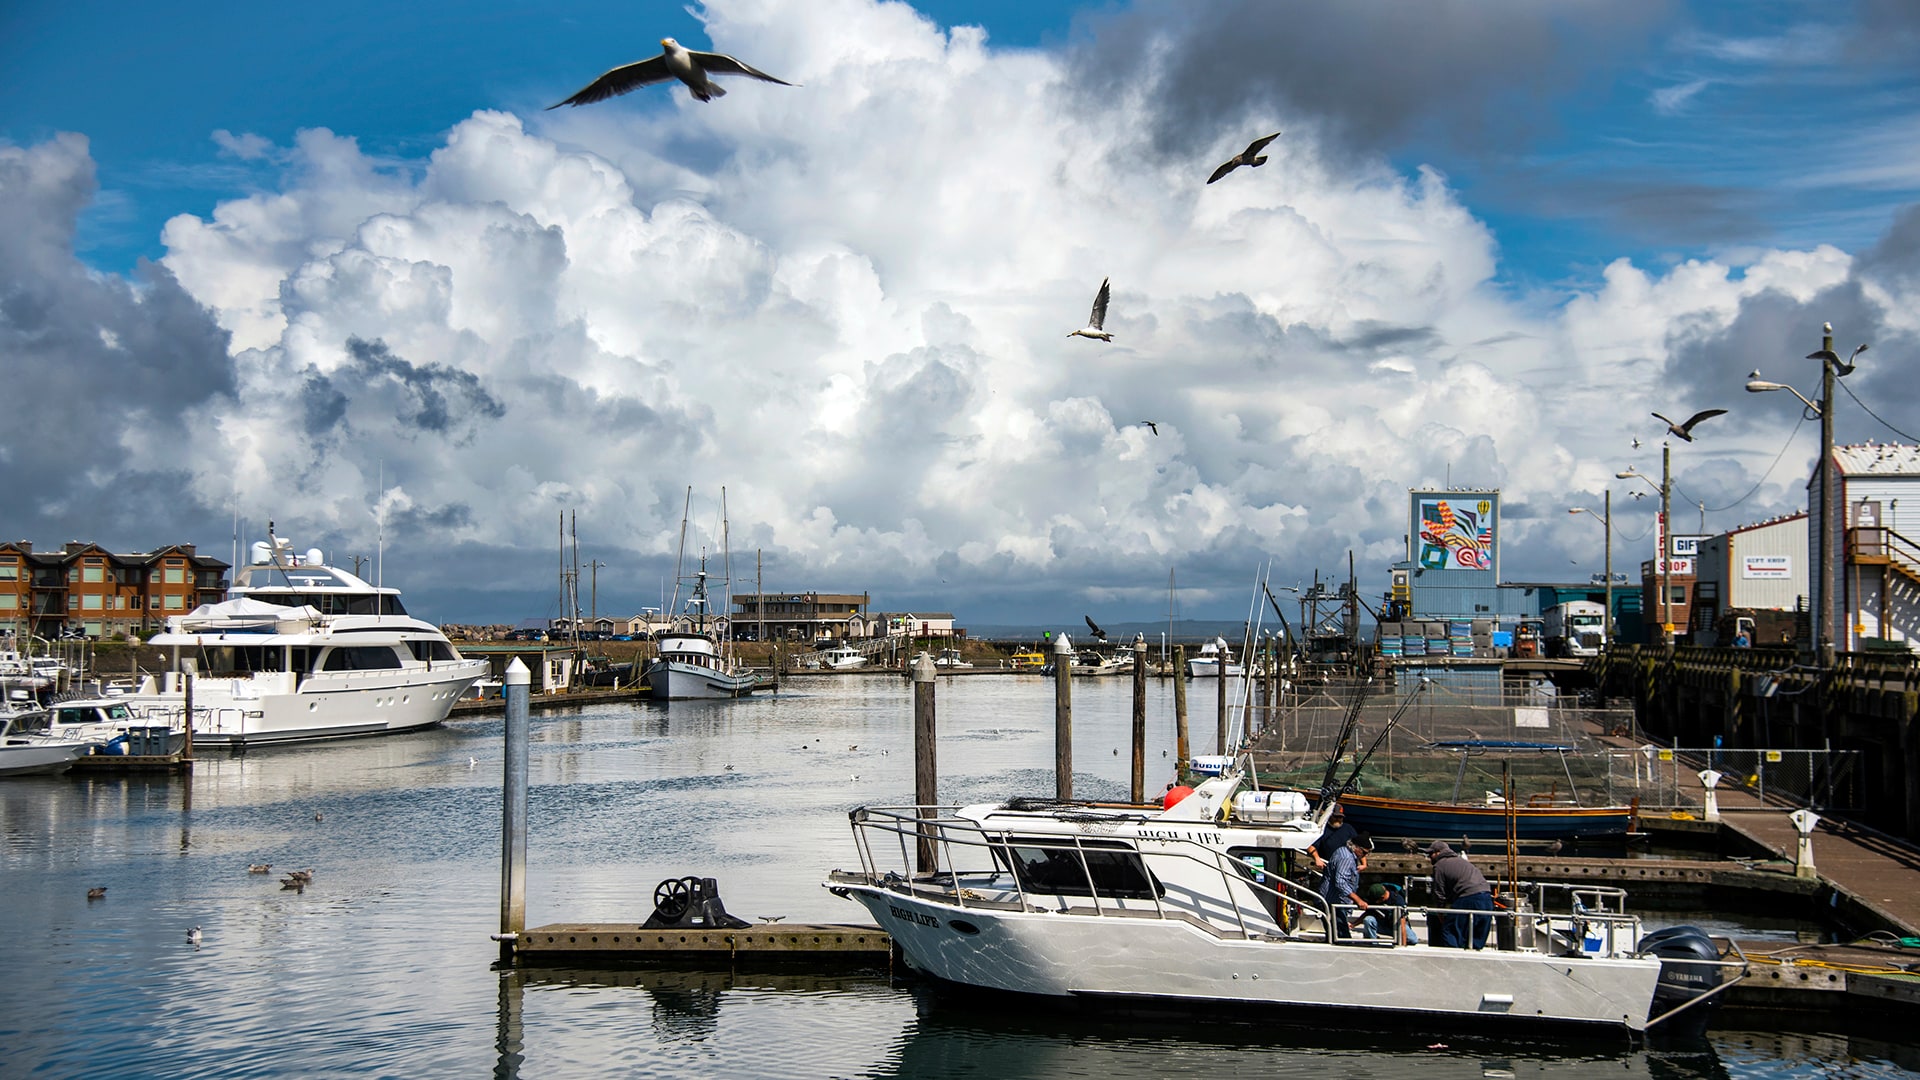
(1459, 884)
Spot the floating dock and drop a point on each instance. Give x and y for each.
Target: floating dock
(824, 944)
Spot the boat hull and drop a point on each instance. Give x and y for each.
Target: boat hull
(338, 705)
(671, 681)
(1172, 963)
(1397, 818)
(34, 757)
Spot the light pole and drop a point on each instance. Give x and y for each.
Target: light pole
(1831, 367)
(1606, 519)
(1666, 543)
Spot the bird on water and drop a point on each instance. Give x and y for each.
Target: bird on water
(1251, 157)
(674, 62)
(98, 892)
(1096, 321)
(259, 868)
(1685, 431)
(193, 937)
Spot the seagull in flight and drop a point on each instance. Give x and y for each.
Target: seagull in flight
(1685, 431)
(1250, 157)
(1099, 316)
(1636, 442)
(675, 62)
(1151, 426)
(1095, 627)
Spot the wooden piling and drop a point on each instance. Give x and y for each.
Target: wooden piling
(925, 776)
(1183, 749)
(1139, 720)
(186, 701)
(516, 688)
(1220, 699)
(1063, 718)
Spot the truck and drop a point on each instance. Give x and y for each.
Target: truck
(1574, 628)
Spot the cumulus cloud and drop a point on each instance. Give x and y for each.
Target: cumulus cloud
(847, 305)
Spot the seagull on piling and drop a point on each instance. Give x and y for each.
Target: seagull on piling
(1250, 157)
(674, 62)
(1098, 318)
(1685, 431)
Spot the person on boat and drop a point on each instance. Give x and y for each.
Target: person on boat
(1460, 885)
(1340, 888)
(1336, 836)
(1387, 915)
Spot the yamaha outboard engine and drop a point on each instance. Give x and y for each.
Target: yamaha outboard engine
(1680, 981)
(690, 903)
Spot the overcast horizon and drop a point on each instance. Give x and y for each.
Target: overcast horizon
(342, 269)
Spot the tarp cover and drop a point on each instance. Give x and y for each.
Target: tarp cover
(245, 614)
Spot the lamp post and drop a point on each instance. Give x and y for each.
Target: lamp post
(1606, 519)
(1831, 367)
(1666, 560)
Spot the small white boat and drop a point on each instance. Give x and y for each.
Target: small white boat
(950, 659)
(842, 658)
(29, 751)
(1088, 662)
(1206, 664)
(1191, 906)
(113, 726)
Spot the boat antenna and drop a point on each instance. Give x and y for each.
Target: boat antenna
(680, 558)
(726, 569)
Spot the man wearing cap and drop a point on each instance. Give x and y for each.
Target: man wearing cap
(1387, 915)
(1336, 836)
(1340, 888)
(1459, 884)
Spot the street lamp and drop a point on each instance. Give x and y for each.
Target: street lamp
(1606, 519)
(1666, 560)
(1831, 367)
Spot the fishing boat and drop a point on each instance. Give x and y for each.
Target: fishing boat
(842, 658)
(1191, 906)
(690, 664)
(951, 659)
(302, 651)
(1207, 662)
(1542, 816)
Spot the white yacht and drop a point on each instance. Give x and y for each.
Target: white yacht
(690, 665)
(301, 650)
(1190, 906)
(1206, 664)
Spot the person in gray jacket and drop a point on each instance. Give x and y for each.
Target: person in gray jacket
(1459, 884)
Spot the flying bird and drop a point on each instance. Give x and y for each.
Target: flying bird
(1636, 443)
(675, 62)
(1151, 426)
(1250, 157)
(1095, 627)
(1685, 431)
(1099, 316)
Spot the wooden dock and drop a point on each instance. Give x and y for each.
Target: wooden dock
(823, 944)
(97, 764)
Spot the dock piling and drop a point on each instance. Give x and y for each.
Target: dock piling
(925, 777)
(1062, 718)
(1183, 748)
(1139, 719)
(1220, 700)
(516, 687)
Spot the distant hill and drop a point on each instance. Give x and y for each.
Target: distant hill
(1185, 631)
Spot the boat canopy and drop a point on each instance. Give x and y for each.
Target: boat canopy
(244, 615)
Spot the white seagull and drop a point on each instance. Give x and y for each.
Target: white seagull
(676, 62)
(193, 937)
(1099, 316)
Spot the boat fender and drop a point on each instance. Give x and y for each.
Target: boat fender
(1174, 794)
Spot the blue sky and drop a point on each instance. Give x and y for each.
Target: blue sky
(379, 273)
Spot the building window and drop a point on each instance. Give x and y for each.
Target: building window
(8, 601)
(9, 571)
(1677, 594)
(175, 577)
(176, 603)
(92, 602)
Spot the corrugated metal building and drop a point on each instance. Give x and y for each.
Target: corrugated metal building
(1877, 589)
(1758, 567)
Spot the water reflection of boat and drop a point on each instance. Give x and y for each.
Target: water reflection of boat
(1192, 903)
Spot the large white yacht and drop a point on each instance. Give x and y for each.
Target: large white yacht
(301, 650)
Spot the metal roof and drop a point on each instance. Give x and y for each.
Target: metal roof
(1870, 459)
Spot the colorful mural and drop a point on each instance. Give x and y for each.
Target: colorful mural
(1456, 531)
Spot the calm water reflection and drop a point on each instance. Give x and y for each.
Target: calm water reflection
(383, 966)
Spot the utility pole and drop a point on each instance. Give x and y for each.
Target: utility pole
(1666, 541)
(593, 594)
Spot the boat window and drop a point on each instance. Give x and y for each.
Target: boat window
(1055, 866)
(229, 660)
(431, 650)
(361, 658)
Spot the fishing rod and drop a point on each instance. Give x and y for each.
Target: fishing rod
(1381, 738)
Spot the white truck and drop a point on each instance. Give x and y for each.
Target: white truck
(1574, 628)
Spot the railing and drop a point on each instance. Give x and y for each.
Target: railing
(1667, 778)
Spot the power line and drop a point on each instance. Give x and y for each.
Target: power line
(1763, 476)
(1875, 415)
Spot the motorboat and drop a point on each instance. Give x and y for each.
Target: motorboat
(1089, 662)
(950, 659)
(27, 750)
(1206, 663)
(111, 725)
(842, 658)
(301, 651)
(1193, 905)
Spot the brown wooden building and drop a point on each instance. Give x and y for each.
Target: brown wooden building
(84, 590)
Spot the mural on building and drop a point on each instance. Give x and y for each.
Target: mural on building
(1455, 530)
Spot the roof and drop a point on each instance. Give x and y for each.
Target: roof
(1798, 515)
(1870, 459)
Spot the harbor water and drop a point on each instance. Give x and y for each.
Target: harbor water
(382, 965)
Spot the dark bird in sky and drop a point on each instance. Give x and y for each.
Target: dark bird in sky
(1151, 426)
(1095, 627)
(1250, 157)
(1098, 319)
(1685, 431)
(676, 62)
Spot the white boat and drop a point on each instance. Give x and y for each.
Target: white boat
(950, 659)
(302, 651)
(1190, 907)
(1088, 662)
(1206, 664)
(25, 751)
(113, 726)
(690, 664)
(842, 658)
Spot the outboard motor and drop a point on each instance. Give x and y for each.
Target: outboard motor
(1680, 981)
(690, 903)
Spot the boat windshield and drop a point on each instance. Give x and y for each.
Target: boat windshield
(1105, 868)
